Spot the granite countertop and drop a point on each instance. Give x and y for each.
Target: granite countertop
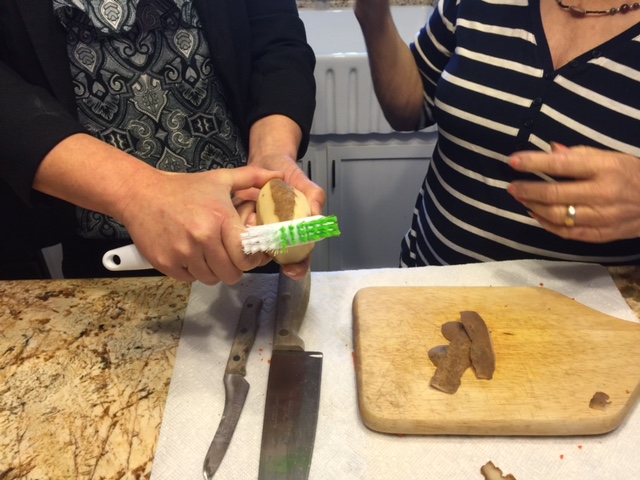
(85, 367)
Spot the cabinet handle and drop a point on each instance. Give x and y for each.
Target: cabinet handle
(333, 174)
(309, 170)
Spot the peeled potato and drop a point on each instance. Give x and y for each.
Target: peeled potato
(278, 202)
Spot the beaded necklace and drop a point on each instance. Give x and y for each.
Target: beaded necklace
(581, 12)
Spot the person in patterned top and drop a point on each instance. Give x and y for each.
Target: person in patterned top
(157, 120)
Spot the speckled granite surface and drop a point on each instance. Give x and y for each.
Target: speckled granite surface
(85, 367)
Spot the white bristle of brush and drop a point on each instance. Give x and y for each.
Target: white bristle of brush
(266, 238)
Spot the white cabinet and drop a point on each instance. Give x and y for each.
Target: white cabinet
(371, 182)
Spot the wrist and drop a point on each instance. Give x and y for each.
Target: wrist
(373, 17)
(275, 135)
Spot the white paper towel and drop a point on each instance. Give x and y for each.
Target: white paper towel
(345, 448)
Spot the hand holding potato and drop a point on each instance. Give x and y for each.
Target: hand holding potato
(279, 202)
(273, 146)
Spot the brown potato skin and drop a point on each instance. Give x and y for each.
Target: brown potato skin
(278, 202)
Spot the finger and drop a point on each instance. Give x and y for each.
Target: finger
(580, 233)
(316, 198)
(586, 214)
(225, 256)
(213, 262)
(599, 234)
(315, 195)
(188, 265)
(200, 269)
(297, 270)
(238, 261)
(174, 269)
(179, 273)
(558, 147)
(561, 162)
(592, 225)
(172, 264)
(246, 212)
(244, 178)
(554, 193)
(250, 194)
(317, 201)
(221, 264)
(264, 259)
(560, 215)
(251, 219)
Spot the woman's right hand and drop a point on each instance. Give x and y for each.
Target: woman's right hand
(187, 226)
(184, 224)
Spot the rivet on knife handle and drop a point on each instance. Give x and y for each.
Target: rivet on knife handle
(245, 336)
(235, 385)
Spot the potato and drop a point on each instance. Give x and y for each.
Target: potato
(278, 202)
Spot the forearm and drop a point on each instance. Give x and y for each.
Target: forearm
(395, 76)
(273, 136)
(92, 174)
(274, 142)
(282, 67)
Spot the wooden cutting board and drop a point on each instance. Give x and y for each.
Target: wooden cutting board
(552, 355)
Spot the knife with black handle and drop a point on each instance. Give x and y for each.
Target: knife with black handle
(293, 390)
(235, 385)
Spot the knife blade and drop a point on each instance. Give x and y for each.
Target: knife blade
(236, 386)
(293, 390)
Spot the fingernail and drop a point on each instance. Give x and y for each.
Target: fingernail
(290, 271)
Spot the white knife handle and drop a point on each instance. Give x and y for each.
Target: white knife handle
(125, 258)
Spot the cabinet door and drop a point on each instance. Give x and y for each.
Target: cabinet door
(372, 189)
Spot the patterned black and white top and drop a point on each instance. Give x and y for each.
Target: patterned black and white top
(145, 83)
(490, 86)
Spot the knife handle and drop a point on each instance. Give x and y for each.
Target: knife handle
(245, 336)
(293, 298)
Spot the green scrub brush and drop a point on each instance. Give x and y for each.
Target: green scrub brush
(278, 237)
(272, 238)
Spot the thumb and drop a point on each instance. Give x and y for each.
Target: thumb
(243, 178)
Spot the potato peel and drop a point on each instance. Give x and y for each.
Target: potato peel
(490, 472)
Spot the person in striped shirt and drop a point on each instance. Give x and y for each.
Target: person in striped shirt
(537, 104)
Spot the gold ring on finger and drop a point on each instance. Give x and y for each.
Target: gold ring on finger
(570, 216)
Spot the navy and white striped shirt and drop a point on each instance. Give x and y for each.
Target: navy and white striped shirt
(491, 87)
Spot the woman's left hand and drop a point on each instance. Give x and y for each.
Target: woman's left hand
(273, 145)
(602, 186)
